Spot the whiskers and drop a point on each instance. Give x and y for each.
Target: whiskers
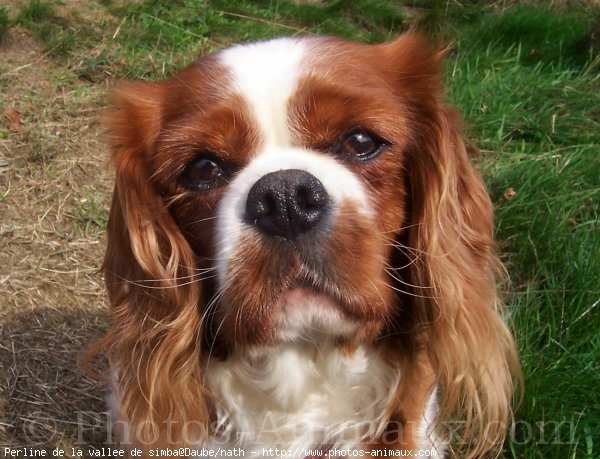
(211, 311)
(173, 282)
(413, 255)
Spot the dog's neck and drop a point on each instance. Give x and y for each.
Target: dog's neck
(302, 395)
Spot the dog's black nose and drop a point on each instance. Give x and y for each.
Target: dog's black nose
(286, 203)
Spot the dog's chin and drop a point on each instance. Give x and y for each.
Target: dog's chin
(307, 314)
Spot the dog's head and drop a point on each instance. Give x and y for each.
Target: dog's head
(301, 189)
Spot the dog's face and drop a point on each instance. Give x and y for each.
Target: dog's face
(287, 174)
(300, 189)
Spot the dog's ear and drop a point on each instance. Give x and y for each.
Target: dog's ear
(153, 286)
(450, 237)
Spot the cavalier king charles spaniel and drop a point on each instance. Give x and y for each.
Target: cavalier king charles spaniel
(300, 259)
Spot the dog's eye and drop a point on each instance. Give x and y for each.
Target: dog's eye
(201, 174)
(359, 145)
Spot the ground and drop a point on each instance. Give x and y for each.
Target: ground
(52, 301)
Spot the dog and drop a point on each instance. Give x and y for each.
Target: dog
(301, 260)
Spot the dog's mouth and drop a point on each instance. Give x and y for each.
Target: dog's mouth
(295, 302)
(307, 313)
(331, 288)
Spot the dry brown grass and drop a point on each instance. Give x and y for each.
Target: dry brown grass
(53, 202)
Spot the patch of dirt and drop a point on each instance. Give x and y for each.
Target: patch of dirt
(54, 192)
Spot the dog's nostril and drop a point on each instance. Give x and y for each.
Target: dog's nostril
(311, 198)
(286, 203)
(267, 205)
(303, 197)
(308, 198)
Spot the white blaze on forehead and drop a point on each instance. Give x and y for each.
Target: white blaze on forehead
(266, 74)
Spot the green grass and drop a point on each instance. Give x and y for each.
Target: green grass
(543, 35)
(5, 24)
(526, 79)
(536, 115)
(35, 11)
(47, 26)
(159, 38)
(91, 212)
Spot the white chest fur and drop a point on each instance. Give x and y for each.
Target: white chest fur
(300, 396)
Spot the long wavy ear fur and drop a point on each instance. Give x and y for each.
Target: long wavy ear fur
(470, 348)
(153, 345)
